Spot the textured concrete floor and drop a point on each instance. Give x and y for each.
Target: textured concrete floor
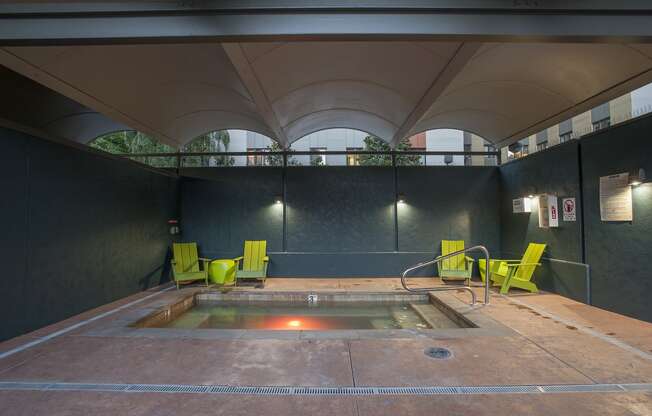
(556, 341)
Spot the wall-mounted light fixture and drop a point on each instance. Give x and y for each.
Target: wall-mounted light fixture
(278, 199)
(400, 199)
(638, 178)
(530, 196)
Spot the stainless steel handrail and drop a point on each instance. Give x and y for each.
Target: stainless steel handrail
(587, 273)
(440, 289)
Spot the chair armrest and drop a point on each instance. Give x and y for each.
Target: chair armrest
(206, 262)
(173, 261)
(523, 264)
(238, 258)
(469, 259)
(266, 258)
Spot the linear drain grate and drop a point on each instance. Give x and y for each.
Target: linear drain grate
(498, 389)
(19, 385)
(87, 386)
(637, 387)
(325, 391)
(581, 388)
(167, 388)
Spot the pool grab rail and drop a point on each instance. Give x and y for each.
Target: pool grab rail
(440, 288)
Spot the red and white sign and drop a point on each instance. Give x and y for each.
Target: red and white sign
(568, 205)
(548, 213)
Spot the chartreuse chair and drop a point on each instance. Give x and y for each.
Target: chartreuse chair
(457, 267)
(253, 263)
(515, 273)
(185, 264)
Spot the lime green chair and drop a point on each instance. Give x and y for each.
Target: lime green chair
(515, 273)
(253, 263)
(185, 264)
(457, 267)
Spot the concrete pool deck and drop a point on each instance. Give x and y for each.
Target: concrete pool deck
(552, 341)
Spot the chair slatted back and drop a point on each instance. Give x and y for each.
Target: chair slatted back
(532, 255)
(254, 252)
(186, 258)
(456, 262)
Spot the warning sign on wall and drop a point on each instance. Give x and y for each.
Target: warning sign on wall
(548, 215)
(568, 205)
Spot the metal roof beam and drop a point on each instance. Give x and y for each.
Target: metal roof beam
(618, 26)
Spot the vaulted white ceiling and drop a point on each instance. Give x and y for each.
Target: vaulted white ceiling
(500, 91)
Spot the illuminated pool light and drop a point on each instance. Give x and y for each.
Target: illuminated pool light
(294, 323)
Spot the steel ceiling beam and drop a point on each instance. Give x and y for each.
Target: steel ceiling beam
(43, 23)
(174, 6)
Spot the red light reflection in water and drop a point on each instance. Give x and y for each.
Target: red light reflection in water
(297, 323)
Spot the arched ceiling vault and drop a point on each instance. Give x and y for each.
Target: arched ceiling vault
(393, 89)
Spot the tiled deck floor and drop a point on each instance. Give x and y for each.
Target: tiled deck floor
(569, 347)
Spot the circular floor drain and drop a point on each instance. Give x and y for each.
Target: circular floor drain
(438, 353)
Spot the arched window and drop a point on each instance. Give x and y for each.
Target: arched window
(130, 142)
(455, 141)
(217, 144)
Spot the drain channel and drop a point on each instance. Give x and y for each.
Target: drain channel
(326, 391)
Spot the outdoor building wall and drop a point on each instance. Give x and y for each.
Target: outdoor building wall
(582, 124)
(79, 230)
(620, 109)
(618, 252)
(332, 140)
(339, 220)
(443, 140)
(477, 145)
(553, 135)
(504, 154)
(239, 142)
(641, 100)
(532, 144)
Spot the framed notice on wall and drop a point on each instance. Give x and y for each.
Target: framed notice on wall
(615, 198)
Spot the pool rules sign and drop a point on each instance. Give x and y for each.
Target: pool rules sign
(569, 209)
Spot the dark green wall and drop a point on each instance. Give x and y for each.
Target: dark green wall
(457, 203)
(554, 171)
(220, 208)
(79, 230)
(339, 209)
(340, 220)
(619, 252)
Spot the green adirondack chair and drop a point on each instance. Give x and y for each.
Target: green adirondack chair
(185, 264)
(253, 263)
(457, 267)
(515, 273)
